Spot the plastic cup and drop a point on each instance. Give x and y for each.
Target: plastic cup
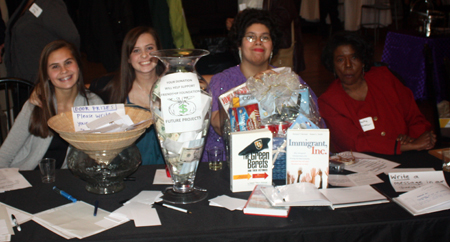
(47, 168)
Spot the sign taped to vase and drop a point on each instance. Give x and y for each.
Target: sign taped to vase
(181, 104)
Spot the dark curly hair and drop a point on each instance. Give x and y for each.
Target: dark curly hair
(251, 16)
(363, 49)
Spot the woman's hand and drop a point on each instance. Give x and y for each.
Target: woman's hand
(404, 139)
(425, 141)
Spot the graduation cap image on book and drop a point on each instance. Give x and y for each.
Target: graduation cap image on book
(256, 146)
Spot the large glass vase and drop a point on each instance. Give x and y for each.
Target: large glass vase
(104, 170)
(181, 107)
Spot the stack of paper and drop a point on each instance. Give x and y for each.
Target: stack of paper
(11, 179)
(6, 223)
(230, 203)
(76, 220)
(140, 209)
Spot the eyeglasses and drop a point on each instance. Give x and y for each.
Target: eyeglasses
(262, 38)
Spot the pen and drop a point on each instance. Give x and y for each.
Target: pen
(64, 194)
(95, 207)
(14, 220)
(173, 207)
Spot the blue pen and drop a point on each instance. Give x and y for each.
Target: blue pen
(64, 194)
(95, 207)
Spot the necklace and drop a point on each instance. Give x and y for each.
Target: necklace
(148, 94)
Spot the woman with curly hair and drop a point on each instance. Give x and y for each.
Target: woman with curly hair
(255, 35)
(367, 109)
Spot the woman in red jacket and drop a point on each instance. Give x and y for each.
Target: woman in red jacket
(367, 109)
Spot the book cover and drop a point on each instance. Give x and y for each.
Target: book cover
(307, 156)
(250, 159)
(257, 204)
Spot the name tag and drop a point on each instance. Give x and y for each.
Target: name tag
(35, 10)
(367, 124)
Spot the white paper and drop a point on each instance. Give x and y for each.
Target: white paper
(181, 102)
(146, 197)
(35, 10)
(373, 164)
(75, 220)
(11, 179)
(426, 199)
(397, 170)
(161, 178)
(353, 196)
(144, 215)
(356, 179)
(297, 194)
(407, 181)
(84, 114)
(227, 202)
(367, 124)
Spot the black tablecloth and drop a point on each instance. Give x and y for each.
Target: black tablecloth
(382, 222)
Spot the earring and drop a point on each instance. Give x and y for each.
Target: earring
(240, 55)
(335, 76)
(271, 55)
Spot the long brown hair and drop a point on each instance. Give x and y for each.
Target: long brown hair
(45, 90)
(119, 87)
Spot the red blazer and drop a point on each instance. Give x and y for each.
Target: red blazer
(390, 104)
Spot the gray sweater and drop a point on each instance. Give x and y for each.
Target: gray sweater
(24, 150)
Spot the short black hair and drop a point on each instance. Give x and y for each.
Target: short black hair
(363, 49)
(251, 16)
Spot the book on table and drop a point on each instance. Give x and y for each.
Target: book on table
(257, 204)
(430, 198)
(306, 194)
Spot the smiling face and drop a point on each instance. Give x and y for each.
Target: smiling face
(140, 57)
(256, 52)
(347, 65)
(62, 69)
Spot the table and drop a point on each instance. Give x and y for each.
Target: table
(382, 222)
(403, 52)
(349, 13)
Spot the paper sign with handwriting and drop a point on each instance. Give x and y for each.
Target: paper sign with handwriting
(85, 114)
(373, 164)
(407, 181)
(355, 179)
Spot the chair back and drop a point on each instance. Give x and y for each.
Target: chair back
(431, 99)
(14, 92)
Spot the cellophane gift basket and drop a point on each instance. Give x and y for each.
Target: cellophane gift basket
(276, 102)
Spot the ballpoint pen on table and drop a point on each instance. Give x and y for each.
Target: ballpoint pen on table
(64, 194)
(172, 207)
(14, 220)
(95, 207)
